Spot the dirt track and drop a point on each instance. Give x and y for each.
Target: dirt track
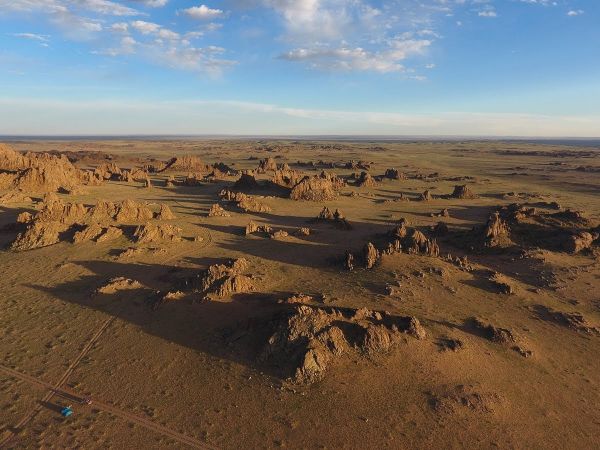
(67, 393)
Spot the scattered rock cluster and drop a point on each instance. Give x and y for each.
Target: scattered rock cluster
(400, 238)
(496, 334)
(572, 320)
(57, 221)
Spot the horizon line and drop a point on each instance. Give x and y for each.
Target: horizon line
(381, 137)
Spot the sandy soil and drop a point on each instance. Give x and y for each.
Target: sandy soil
(175, 365)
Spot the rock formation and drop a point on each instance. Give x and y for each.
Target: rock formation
(165, 213)
(314, 189)
(40, 172)
(370, 255)
(426, 196)
(394, 174)
(496, 232)
(152, 232)
(246, 182)
(222, 280)
(365, 180)
(462, 192)
(307, 341)
(217, 211)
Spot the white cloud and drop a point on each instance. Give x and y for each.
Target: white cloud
(127, 47)
(203, 12)
(206, 60)
(152, 3)
(32, 36)
(488, 13)
(359, 59)
(106, 7)
(145, 27)
(575, 12)
(163, 33)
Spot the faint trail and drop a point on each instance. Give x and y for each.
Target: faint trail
(25, 420)
(72, 395)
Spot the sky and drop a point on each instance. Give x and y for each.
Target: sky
(300, 67)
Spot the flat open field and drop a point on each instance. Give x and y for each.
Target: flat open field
(480, 332)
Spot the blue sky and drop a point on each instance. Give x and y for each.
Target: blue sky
(426, 67)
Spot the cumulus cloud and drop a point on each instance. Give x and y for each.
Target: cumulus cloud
(345, 35)
(145, 27)
(203, 12)
(166, 47)
(121, 27)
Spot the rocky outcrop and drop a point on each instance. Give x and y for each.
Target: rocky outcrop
(251, 204)
(222, 280)
(266, 164)
(129, 211)
(314, 189)
(463, 192)
(426, 196)
(370, 255)
(286, 178)
(496, 232)
(97, 233)
(185, 163)
(336, 218)
(165, 213)
(417, 243)
(39, 234)
(578, 242)
(246, 182)
(117, 284)
(108, 171)
(152, 232)
(365, 180)
(400, 238)
(309, 340)
(12, 197)
(394, 174)
(217, 211)
(443, 213)
(253, 228)
(41, 172)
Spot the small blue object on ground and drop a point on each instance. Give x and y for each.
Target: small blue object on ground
(66, 411)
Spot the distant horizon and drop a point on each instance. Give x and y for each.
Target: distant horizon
(332, 137)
